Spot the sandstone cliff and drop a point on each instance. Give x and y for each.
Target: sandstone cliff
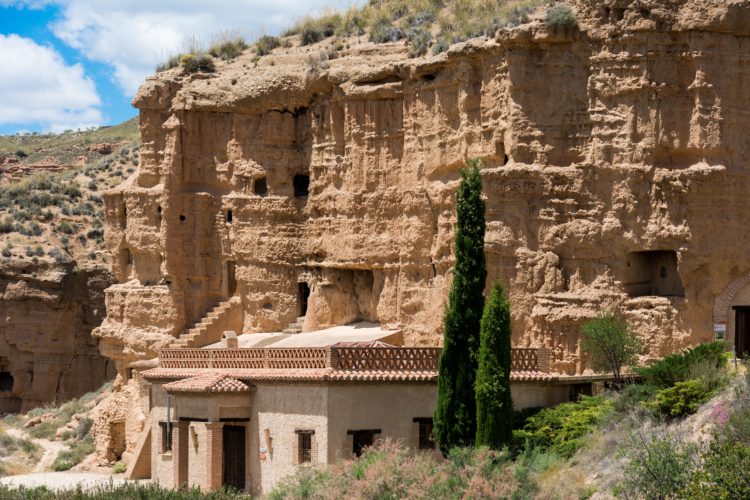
(615, 176)
(47, 313)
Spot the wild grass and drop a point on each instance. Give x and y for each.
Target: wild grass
(124, 492)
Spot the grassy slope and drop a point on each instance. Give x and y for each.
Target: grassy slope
(57, 216)
(62, 146)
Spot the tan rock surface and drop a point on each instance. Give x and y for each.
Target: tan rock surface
(625, 136)
(47, 353)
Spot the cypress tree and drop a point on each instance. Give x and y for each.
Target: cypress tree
(455, 413)
(494, 404)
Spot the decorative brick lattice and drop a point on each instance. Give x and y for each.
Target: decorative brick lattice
(385, 358)
(526, 360)
(339, 359)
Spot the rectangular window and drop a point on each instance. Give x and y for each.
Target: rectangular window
(362, 439)
(166, 436)
(305, 446)
(425, 441)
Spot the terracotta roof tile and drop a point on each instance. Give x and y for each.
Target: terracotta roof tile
(322, 375)
(217, 383)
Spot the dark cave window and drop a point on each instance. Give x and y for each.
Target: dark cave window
(261, 187)
(182, 218)
(301, 185)
(6, 382)
(229, 216)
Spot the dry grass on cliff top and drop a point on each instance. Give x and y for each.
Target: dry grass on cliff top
(423, 26)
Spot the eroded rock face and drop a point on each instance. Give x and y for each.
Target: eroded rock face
(615, 174)
(47, 313)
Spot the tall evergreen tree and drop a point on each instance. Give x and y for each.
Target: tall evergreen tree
(494, 404)
(455, 412)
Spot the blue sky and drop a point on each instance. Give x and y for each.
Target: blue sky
(77, 63)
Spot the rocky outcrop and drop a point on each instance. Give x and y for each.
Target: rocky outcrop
(47, 313)
(615, 173)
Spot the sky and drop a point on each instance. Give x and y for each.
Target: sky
(70, 64)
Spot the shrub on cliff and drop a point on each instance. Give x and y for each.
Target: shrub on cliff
(419, 41)
(194, 63)
(608, 344)
(382, 30)
(494, 403)
(266, 44)
(455, 412)
(227, 46)
(560, 16)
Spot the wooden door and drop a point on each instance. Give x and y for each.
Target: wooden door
(742, 332)
(234, 456)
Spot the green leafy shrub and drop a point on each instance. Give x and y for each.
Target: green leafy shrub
(194, 63)
(723, 473)
(632, 397)
(674, 368)
(266, 44)
(119, 468)
(560, 15)
(21, 153)
(608, 343)
(563, 428)
(659, 467)
(682, 399)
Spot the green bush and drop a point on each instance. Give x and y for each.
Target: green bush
(383, 31)
(266, 44)
(194, 63)
(66, 459)
(632, 397)
(560, 15)
(419, 41)
(66, 227)
(313, 30)
(21, 153)
(658, 468)
(723, 473)
(676, 367)
(563, 428)
(119, 468)
(608, 344)
(682, 399)
(227, 47)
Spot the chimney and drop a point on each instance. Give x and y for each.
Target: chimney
(229, 340)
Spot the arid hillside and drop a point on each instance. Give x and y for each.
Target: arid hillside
(53, 270)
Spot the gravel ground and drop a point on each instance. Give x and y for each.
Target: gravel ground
(61, 480)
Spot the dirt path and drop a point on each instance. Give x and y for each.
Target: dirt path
(61, 480)
(50, 448)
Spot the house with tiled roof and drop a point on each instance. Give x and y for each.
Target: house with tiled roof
(248, 411)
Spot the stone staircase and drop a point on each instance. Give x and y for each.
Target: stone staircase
(225, 316)
(295, 327)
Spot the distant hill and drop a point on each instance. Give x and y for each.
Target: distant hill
(50, 206)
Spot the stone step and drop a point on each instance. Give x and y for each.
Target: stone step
(295, 325)
(291, 330)
(301, 319)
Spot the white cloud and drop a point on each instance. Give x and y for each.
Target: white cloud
(37, 87)
(132, 37)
